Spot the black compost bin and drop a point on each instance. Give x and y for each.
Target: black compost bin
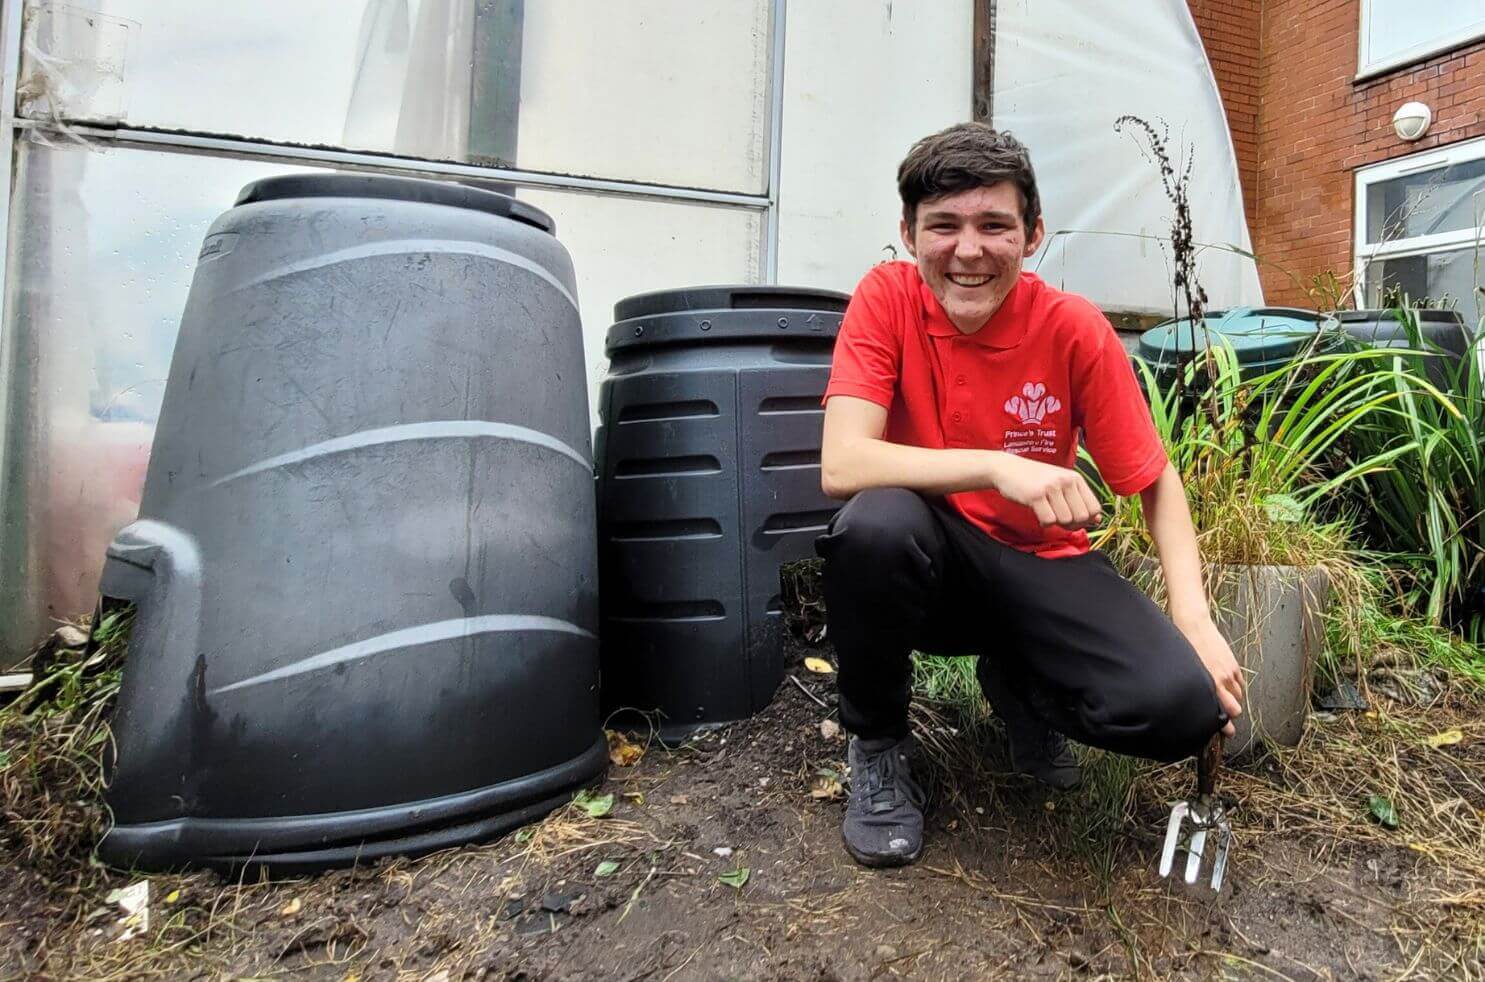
(709, 479)
(365, 564)
(1441, 334)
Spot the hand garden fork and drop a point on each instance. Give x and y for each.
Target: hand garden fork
(1191, 820)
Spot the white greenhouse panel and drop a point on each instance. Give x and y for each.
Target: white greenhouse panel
(621, 247)
(661, 91)
(1064, 72)
(102, 250)
(862, 83)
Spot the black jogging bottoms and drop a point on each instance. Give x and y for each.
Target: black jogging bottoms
(1091, 654)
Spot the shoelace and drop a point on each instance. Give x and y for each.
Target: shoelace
(883, 776)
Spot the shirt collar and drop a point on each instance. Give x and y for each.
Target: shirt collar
(1006, 328)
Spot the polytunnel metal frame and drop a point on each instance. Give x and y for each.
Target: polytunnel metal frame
(12, 126)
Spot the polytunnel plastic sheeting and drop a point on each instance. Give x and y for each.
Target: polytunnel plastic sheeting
(1065, 70)
(669, 92)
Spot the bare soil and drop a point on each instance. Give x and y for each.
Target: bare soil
(1015, 882)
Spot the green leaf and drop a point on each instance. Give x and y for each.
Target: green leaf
(104, 631)
(606, 868)
(524, 835)
(736, 878)
(596, 805)
(1283, 508)
(1383, 811)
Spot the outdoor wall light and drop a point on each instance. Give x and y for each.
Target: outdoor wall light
(1411, 121)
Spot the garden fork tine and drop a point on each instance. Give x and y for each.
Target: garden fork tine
(1206, 815)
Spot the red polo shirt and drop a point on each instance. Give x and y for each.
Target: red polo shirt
(1046, 366)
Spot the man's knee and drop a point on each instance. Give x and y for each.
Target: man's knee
(882, 527)
(1170, 716)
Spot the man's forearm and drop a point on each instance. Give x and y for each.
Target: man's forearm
(1169, 521)
(864, 463)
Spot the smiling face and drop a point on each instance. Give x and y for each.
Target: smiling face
(969, 247)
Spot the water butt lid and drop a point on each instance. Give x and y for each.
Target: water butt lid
(1260, 336)
(316, 185)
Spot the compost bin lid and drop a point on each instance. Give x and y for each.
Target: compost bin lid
(729, 297)
(1258, 335)
(398, 188)
(714, 314)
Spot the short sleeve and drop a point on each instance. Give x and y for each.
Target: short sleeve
(868, 349)
(1113, 414)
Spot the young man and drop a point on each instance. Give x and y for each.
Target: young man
(958, 390)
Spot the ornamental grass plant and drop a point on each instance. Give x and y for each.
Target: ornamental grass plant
(1427, 507)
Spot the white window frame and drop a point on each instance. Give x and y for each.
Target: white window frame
(1446, 42)
(1367, 253)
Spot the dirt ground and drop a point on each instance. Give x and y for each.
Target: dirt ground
(1015, 882)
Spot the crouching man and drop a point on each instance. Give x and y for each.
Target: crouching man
(959, 387)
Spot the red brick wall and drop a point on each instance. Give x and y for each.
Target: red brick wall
(1315, 126)
(1230, 30)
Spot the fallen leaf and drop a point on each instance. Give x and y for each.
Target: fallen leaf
(638, 797)
(678, 799)
(826, 789)
(172, 896)
(1448, 738)
(292, 907)
(819, 666)
(71, 637)
(826, 785)
(596, 805)
(1283, 508)
(606, 868)
(830, 729)
(134, 901)
(621, 750)
(1383, 811)
(736, 878)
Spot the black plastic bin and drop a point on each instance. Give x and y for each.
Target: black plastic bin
(709, 479)
(1442, 332)
(364, 565)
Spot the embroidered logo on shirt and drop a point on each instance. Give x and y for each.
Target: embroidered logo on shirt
(1033, 404)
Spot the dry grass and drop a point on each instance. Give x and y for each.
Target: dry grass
(52, 742)
(449, 911)
(1315, 794)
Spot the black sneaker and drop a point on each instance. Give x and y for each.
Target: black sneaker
(1036, 749)
(884, 813)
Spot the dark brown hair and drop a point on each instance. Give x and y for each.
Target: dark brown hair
(964, 157)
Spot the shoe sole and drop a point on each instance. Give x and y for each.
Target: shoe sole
(882, 862)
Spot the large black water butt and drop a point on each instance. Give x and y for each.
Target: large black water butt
(709, 479)
(1442, 336)
(365, 565)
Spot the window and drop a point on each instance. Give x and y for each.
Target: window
(1418, 228)
(1396, 32)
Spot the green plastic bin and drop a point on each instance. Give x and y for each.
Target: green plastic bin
(1263, 338)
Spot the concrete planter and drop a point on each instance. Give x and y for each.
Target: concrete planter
(1272, 617)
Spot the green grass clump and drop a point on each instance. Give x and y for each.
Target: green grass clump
(53, 741)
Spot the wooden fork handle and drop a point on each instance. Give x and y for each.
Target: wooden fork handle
(1207, 764)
